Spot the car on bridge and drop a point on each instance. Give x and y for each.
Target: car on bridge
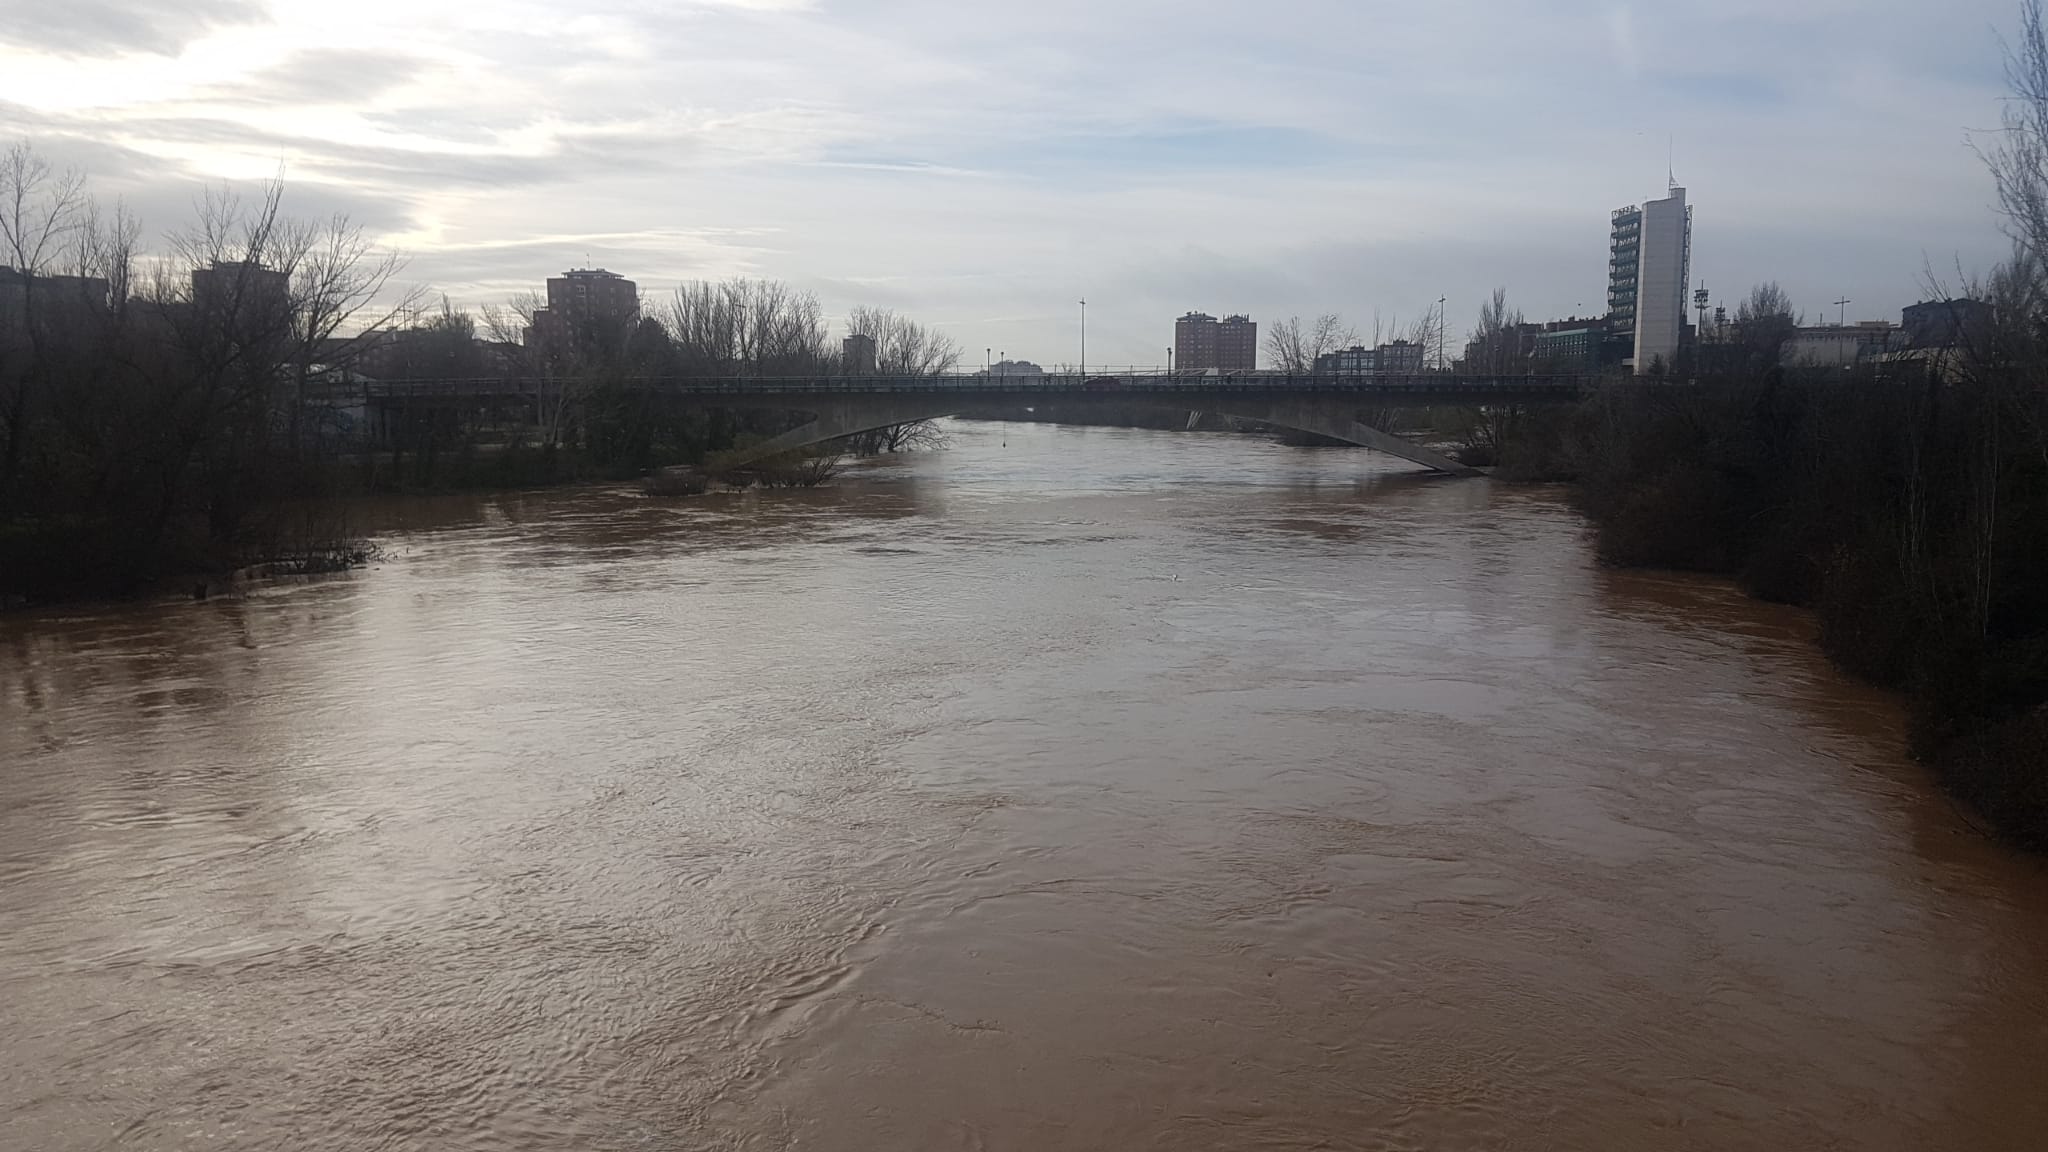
(1103, 384)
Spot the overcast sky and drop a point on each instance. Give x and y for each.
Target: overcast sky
(984, 166)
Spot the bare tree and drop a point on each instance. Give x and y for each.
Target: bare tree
(1422, 332)
(1764, 321)
(107, 247)
(1767, 301)
(1294, 348)
(2019, 162)
(512, 321)
(1494, 349)
(782, 330)
(549, 371)
(340, 281)
(704, 329)
(40, 211)
(897, 438)
(150, 405)
(903, 347)
(2008, 371)
(1496, 342)
(743, 326)
(225, 292)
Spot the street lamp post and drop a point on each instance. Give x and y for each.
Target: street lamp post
(1442, 334)
(1084, 339)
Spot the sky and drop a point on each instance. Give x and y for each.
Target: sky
(984, 167)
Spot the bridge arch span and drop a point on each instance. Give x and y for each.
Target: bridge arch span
(840, 418)
(1334, 417)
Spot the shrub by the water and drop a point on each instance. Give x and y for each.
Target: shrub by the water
(1909, 512)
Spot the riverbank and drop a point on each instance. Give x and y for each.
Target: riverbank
(169, 530)
(1911, 518)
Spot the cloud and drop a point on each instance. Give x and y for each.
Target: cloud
(984, 166)
(1621, 37)
(326, 76)
(1725, 89)
(114, 27)
(1166, 149)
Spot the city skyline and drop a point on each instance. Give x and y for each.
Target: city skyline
(498, 148)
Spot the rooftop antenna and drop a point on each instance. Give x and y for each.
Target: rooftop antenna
(1670, 162)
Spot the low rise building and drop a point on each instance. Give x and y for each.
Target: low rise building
(1400, 358)
(1941, 324)
(857, 355)
(55, 304)
(243, 287)
(1837, 345)
(1356, 360)
(1579, 347)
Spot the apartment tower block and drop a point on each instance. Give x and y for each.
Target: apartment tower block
(1649, 270)
(1201, 342)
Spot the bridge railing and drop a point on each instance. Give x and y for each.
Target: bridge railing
(1419, 386)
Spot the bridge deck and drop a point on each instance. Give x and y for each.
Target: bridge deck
(1422, 388)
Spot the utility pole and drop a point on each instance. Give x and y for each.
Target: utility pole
(1842, 311)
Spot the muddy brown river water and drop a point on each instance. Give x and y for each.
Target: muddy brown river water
(1067, 789)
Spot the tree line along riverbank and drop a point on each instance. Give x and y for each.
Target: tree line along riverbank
(187, 413)
(1905, 503)
(1909, 512)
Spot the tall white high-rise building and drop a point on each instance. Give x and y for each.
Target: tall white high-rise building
(1663, 277)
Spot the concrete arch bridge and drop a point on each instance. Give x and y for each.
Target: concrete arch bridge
(1325, 405)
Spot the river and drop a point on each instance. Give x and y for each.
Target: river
(1065, 789)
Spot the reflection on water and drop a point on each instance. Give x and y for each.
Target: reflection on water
(1066, 789)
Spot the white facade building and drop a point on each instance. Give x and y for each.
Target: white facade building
(1837, 345)
(1663, 278)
